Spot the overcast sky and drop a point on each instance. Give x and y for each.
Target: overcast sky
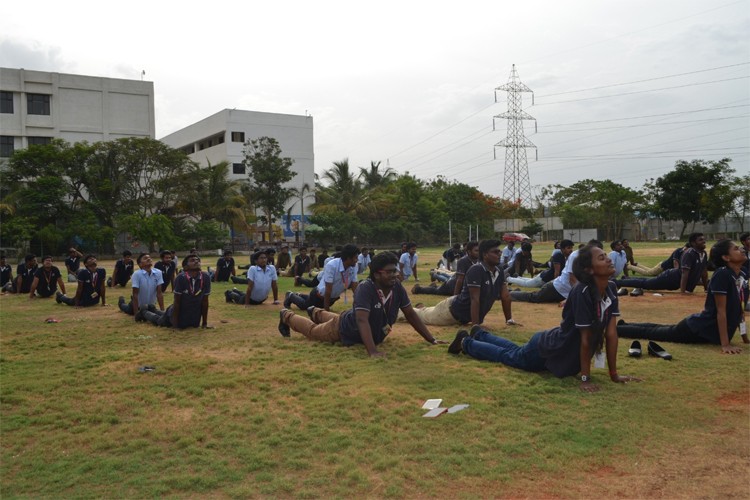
(623, 89)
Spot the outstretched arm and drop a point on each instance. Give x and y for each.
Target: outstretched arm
(416, 322)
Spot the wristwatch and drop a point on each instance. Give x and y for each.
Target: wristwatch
(584, 378)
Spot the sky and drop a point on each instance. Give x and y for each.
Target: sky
(622, 89)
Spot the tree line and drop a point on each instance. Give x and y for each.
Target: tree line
(58, 194)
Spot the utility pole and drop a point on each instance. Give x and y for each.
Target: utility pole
(516, 184)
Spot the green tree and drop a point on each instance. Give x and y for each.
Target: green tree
(268, 172)
(374, 178)
(150, 229)
(339, 191)
(694, 191)
(604, 205)
(740, 194)
(301, 193)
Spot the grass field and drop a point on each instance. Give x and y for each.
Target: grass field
(239, 411)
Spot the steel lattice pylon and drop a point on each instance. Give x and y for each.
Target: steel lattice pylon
(516, 184)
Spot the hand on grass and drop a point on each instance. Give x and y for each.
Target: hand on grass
(377, 354)
(440, 342)
(276, 302)
(730, 349)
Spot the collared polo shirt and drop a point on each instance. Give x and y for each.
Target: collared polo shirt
(341, 278)
(146, 283)
(262, 280)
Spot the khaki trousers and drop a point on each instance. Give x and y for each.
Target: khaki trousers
(437, 315)
(324, 326)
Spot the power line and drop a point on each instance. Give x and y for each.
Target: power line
(647, 116)
(703, 120)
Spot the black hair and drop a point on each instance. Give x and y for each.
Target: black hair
(595, 243)
(29, 257)
(526, 247)
(556, 244)
(411, 245)
(348, 251)
(584, 261)
(486, 245)
(227, 252)
(471, 245)
(744, 237)
(693, 236)
(87, 257)
(47, 257)
(614, 244)
(457, 246)
(566, 244)
(164, 252)
(719, 250)
(127, 253)
(303, 247)
(140, 256)
(380, 261)
(188, 257)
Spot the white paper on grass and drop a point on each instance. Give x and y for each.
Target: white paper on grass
(435, 412)
(457, 408)
(431, 404)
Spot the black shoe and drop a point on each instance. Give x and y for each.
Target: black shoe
(120, 300)
(288, 300)
(283, 327)
(58, 297)
(109, 282)
(228, 296)
(474, 330)
(622, 291)
(310, 312)
(457, 345)
(655, 349)
(637, 292)
(621, 322)
(139, 314)
(635, 350)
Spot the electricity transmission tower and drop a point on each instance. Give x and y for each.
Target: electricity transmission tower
(516, 185)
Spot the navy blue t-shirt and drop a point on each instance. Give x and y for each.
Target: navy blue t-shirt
(27, 276)
(47, 285)
(92, 284)
(723, 282)
(192, 291)
(695, 261)
(549, 274)
(676, 255)
(382, 312)
(72, 264)
(224, 268)
(5, 273)
(561, 346)
(490, 285)
(124, 272)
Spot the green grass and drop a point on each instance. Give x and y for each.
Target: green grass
(239, 411)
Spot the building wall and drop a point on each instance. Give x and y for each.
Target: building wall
(81, 108)
(211, 140)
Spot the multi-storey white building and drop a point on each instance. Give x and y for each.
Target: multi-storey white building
(36, 106)
(222, 136)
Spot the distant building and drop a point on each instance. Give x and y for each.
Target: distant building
(222, 136)
(37, 106)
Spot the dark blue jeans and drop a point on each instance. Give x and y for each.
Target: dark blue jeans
(486, 346)
(680, 332)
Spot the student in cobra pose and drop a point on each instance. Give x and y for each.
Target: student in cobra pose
(168, 267)
(557, 264)
(46, 280)
(454, 284)
(261, 279)
(587, 320)
(377, 302)
(190, 308)
(692, 271)
(147, 287)
(339, 275)
(408, 262)
(483, 285)
(91, 286)
(722, 313)
(671, 262)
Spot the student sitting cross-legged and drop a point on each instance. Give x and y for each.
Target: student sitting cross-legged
(377, 301)
(588, 319)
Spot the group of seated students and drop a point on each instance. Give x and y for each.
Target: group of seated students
(589, 326)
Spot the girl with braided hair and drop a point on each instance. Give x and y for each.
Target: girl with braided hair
(588, 318)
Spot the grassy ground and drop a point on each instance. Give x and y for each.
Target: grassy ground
(239, 411)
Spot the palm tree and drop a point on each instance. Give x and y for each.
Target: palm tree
(342, 192)
(373, 178)
(221, 198)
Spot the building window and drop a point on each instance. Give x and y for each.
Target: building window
(38, 104)
(189, 149)
(238, 136)
(238, 168)
(6, 146)
(39, 141)
(6, 102)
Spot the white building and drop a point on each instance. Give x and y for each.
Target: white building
(222, 136)
(36, 106)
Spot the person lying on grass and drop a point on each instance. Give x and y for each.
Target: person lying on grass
(587, 319)
(377, 301)
(722, 313)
